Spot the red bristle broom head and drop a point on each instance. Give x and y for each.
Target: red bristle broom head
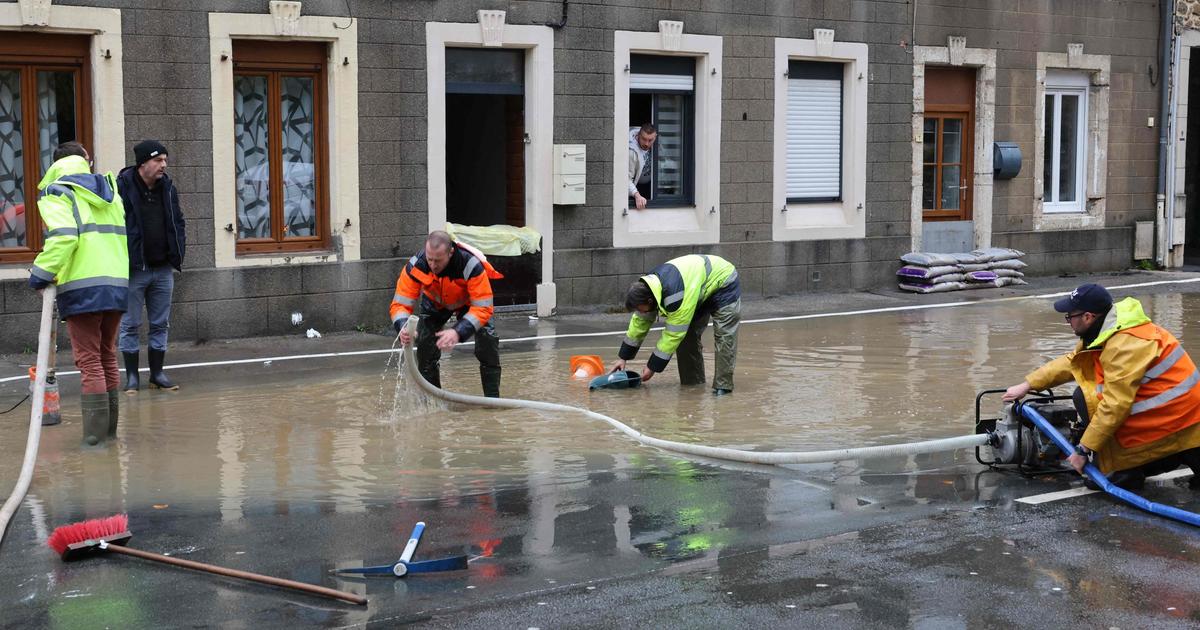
(76, 538)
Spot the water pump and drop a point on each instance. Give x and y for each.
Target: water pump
(1015, 441)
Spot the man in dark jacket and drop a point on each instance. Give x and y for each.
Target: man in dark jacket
(154, 224)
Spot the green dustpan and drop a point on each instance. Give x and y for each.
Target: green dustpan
(622, 379)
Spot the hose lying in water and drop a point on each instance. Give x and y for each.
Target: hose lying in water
(715, 452)
(1093, 473)
(45, 346)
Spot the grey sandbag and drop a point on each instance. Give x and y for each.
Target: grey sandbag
(995, 254)
(1007, 273)
(975, 267)
(929, 260)
(925, 273)
(932, 288)
(1007, 264)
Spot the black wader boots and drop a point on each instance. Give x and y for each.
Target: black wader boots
(95, 418)
(131, 372)
(158, 378)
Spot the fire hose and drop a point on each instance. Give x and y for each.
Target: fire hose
(714, 452)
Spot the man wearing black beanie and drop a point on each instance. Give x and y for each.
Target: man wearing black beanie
(157, 240)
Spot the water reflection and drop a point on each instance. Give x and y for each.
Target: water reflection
(349, 441)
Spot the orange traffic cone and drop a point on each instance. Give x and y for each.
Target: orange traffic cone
(585, 366)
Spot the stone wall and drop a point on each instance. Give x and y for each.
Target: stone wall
(167, 96)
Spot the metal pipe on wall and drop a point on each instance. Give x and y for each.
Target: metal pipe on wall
(1166, 8)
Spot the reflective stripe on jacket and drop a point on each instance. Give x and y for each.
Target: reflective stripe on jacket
(463, 286)
(85, 252)
(682, 287)
(1141, 390)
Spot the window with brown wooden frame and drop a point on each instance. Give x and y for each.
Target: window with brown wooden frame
(946, 170)
(280, 146)
(44, 101)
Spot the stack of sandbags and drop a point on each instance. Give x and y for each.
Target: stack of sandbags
(979, 269)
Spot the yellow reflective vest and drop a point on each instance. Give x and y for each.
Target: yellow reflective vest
(85, 253)
(681, 287)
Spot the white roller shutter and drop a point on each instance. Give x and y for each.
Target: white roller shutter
(661, 82)
(814, 139)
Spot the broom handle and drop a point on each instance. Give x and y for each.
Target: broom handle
(245, 575)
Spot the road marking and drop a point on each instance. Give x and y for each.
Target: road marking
(869, 311)
(1038, 499)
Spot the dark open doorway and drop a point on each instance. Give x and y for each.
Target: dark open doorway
(485, 156)
(1191, 183)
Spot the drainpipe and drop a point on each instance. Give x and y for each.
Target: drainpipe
(1166, 8)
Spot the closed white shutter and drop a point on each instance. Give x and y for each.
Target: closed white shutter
(661, 82)
(814, 139)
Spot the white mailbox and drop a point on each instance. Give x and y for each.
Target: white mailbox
(570, 167)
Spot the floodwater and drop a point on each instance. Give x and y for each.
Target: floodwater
(328, 462)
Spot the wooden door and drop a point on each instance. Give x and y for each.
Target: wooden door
(948, 144)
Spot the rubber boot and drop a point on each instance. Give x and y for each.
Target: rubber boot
(114, 412)
(158, 378)
(490, 377)
(132, 382)
(95, 418)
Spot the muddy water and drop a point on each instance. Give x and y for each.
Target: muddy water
(352, 433)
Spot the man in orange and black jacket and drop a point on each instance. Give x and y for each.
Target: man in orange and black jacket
(449, 278)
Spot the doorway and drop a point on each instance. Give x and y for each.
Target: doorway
(485, 156)
(948, 150)
(1191, 183)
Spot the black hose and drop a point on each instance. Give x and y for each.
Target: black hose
(16, 405)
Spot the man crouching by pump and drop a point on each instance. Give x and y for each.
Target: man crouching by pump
(449, 278)
(1138, 390)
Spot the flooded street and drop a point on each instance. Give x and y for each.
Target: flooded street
(296, 467)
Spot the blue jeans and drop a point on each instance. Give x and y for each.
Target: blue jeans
(151, 288)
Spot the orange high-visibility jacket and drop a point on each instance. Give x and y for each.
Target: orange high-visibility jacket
(1142, 390)
(464, 287)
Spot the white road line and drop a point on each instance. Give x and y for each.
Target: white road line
(1038, 499)
(869, 311)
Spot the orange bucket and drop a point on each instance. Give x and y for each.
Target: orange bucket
(586, 365)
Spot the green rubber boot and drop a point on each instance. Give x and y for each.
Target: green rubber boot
(95, 418)
(114, 411)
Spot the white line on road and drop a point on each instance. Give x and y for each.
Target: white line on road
(869, 311)
(1038, 499)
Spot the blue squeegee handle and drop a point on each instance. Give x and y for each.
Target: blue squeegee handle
(415, 538)
(1183, 516)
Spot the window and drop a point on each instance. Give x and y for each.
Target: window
(661, 92)
(1064, 144)
(43, 103)
(279, 146)
(814, 131)
(819, 139)
(944, 176)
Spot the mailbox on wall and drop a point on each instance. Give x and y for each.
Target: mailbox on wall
(1006, 160)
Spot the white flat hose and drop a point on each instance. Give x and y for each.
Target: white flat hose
(45, 347)
(715, 452)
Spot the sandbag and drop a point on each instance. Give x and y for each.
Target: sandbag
(932, 288)
(919, 271)
(929, 260)
(1008, 273)
(996, 254)
(1007, 264)
(980, 276)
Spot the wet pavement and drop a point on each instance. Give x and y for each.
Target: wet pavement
(293, 467)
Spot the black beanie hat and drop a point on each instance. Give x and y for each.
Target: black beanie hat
(146, 150)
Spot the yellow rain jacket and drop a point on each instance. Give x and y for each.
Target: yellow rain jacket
(1141, 388)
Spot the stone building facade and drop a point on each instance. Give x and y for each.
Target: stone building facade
(377, 118)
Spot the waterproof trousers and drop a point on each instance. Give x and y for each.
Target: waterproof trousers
(487, 349)
(690, 354)
(94, 345)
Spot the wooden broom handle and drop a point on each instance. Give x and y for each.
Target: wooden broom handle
(245, 575)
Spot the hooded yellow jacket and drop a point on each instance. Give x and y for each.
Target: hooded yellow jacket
(1141, 388)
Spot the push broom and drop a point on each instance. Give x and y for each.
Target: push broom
(80, 540)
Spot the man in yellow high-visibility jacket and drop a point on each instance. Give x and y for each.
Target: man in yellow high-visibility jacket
(86, 256)
(1139, 390)
(687, 291)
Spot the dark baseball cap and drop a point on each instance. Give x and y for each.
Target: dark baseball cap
(1088, 298)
